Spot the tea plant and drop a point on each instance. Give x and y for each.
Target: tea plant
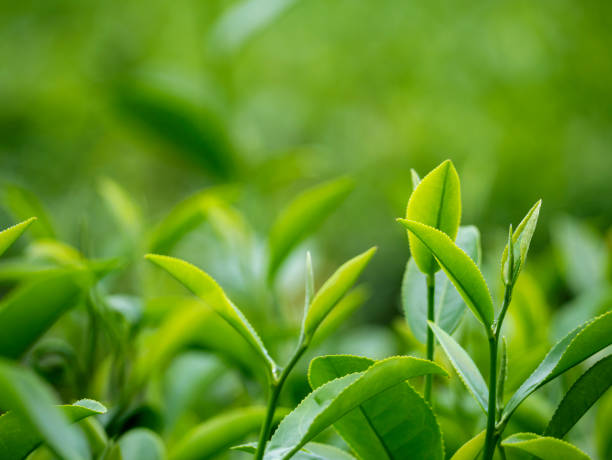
(116, 328)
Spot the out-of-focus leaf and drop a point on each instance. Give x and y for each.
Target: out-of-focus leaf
(603, 428)
(302, 217)
(543, 447)
(181, 120)
(435, 202)
(580, 397)
(580, 309)
(464, 366)
(55, 251)
(207, 289)
(340, 313)
(521, 240)
(584, 341)
(126, 213)
(416, 180)
(471, 449)
(142, 443)
(449, 306)
(333, 290)
(243, 21)
(9, 235)
(23, 204)
(28, 399)
(27, 313)
(186, 216)
(18, 438)
(311, 451)
(216, 434)
(459, 268)
(388, 426)
(331, 401)
(582, 254)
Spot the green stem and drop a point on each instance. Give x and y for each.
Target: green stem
(431, 287)
(489, 446)
(276, 385)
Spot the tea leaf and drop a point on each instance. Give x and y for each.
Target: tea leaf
(331, 401)
(311, 451)
(19, 439)
(9, 235)
(464, 366)
(141, 443)
(207, 289)
(471, 449)
(435, 202)
(333, 290)
(29, 311)
(543, 447)
(416, 180)
(449, 306)
(216, 434)
(521, 239)
(578, 345)
(366, 428)
(126, 213)
(302, 217)
(459, 268)
(23, 204)
(580, 397)
(33, 405)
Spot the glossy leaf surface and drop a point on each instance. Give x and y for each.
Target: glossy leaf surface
(388, 426)
(436, 202)
(459, 267)
(449, 306)
(543, 447)
(331, 401)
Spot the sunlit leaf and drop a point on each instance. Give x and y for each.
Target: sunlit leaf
(464, 366)
(387, 426)
(311, 451)
(435, 202)
(29, 311)
(333, 290)
(9, 235)
(521, 239)
(545, 448)
(302, 217)
(216, 434)
(449, 306)
(580, 397)
(459, 267)
(471, 449)
(31, 401)
(207, 289)
(23, 204)
(124, 210)
(584, 341)
(141, 443)
(331, 401)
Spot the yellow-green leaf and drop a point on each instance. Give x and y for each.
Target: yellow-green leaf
(471, 449)
(9, 235)
(543, 447)
(521, 239)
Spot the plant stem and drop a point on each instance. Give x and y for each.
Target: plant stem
(431, 288)
(276, 385)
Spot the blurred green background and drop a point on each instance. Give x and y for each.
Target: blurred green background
(167, 98)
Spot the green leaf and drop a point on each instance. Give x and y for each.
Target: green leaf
(464, 366)
(330, 402)
(32, 309)
(471, 449)
(580, 397)
(23, 204)
(18, 438)
(207, 289)
(309, 289)
(501, 378)
(311, 451)
(333, 290)
(459, 267)
(31, 401)
(9, 235)
(578, 345)
(543, 447)
(449, 306)
(416, 180)
(302, 217)
(123, 209)
(141, 443)
(186, 216)
(216, 434)
(387, 426)
(435, 202)
(521, 239)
